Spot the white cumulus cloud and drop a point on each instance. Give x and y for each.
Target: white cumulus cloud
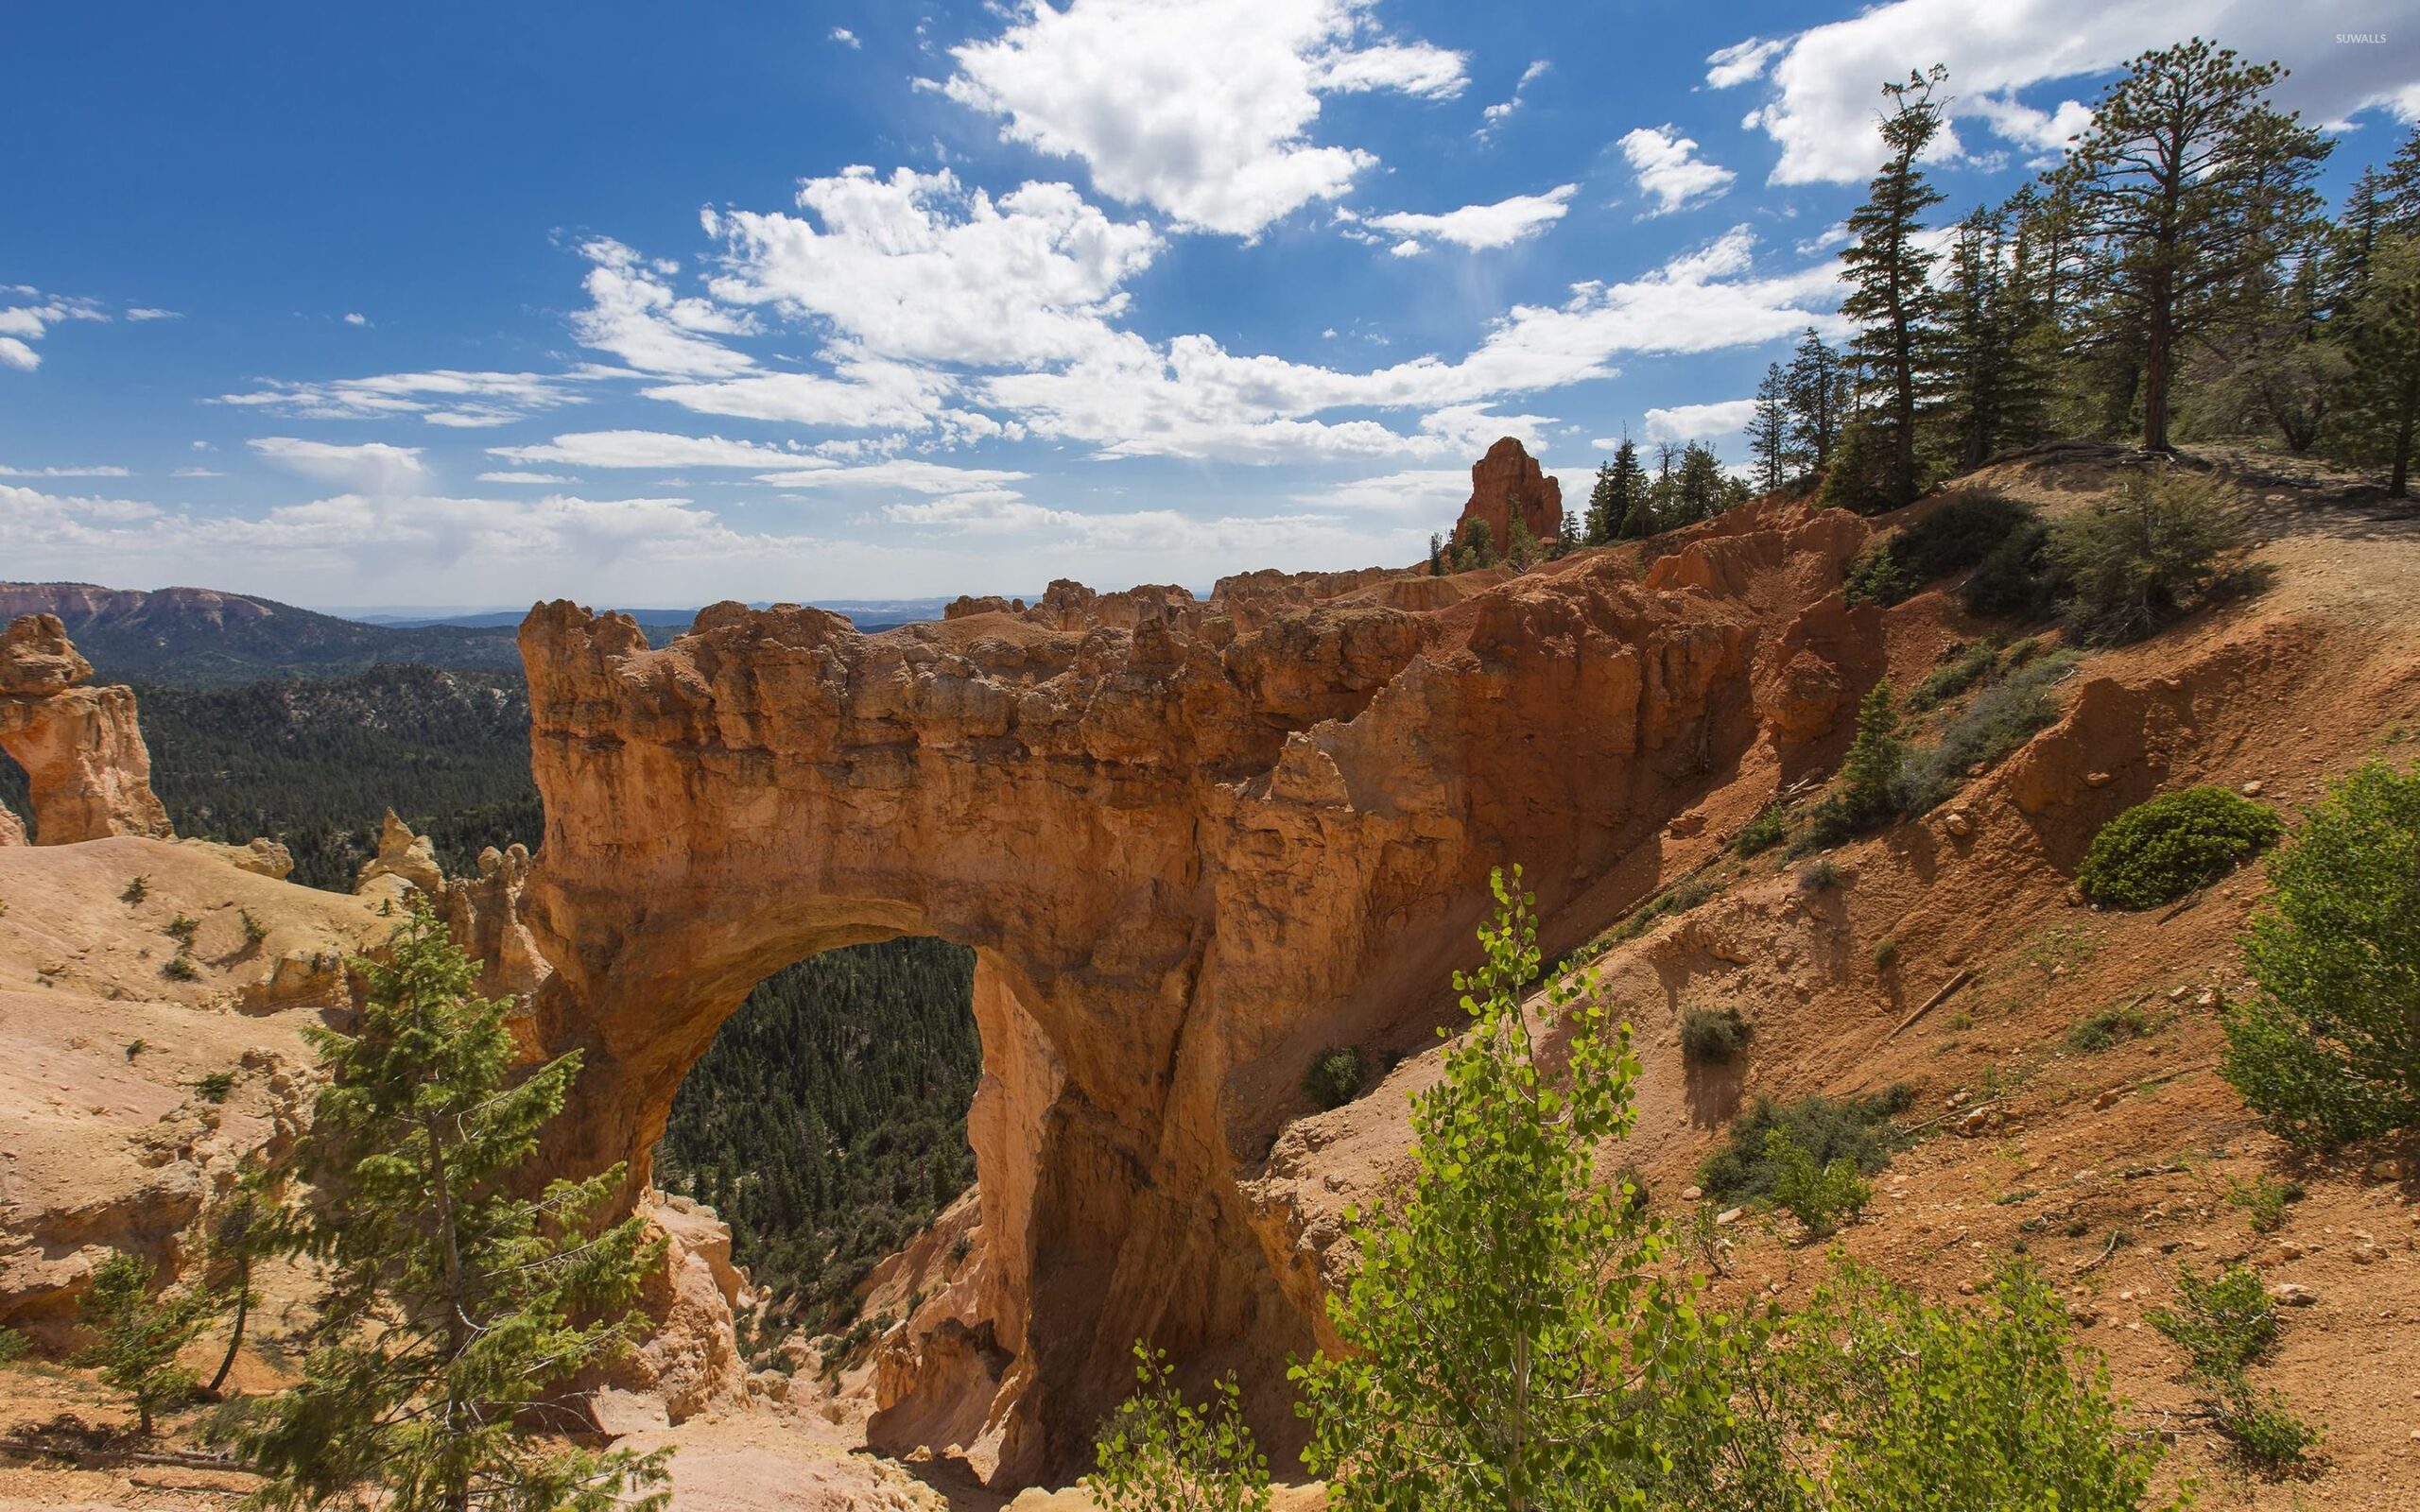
(1823, 81)
(24, 323)
(1670, 171)
(1201, 109)
(1482, 227)
(1698, 422)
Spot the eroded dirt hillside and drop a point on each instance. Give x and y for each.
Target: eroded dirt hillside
(2106, 1166)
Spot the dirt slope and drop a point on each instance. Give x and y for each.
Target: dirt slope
(2272, 694)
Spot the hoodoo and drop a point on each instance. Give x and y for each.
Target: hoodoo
(1192, 844)
(1507, 485)
(87, 770)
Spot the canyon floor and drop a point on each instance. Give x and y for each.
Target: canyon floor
(2106, 1167)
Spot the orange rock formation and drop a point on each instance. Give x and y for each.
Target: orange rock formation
(1508, 484)
(86, 767)
(1193, 844)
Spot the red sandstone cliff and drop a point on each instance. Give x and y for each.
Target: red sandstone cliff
(1192, 843)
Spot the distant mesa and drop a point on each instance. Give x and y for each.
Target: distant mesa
(1508, 484)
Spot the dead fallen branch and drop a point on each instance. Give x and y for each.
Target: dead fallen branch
(95, 1456)
(1933, 1001)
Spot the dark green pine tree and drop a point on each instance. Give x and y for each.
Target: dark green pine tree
(1819, 395)
(1891, 297)
(1567, 536)
(1975, 340)
(454, 1304)
(2186, 176)
(1769, 430)
(1700, 489)
(1604, 512)
(2033, 341)
(2381, 407)
(1629, 511)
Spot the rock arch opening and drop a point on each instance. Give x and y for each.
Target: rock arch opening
(16, 801)
(826, 1124)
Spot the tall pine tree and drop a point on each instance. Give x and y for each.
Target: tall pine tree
(1627, 513)
(1604, 513)
(1971, 401)
(2184, 179)
(1769, 430)
(1819, 394)
(1891, 297)
(2381, 410)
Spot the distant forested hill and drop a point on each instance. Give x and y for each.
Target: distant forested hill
(827, 1123)
(316, 764)
(199, 638)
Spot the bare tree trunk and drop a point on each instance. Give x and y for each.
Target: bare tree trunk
(243, 1309)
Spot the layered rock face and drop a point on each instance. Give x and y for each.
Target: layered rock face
(86, 767)
(1193, 843)
(1507, 485)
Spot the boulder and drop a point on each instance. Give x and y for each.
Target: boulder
(690, 1359)
(261, 857)
(405, 863)
(36, 660)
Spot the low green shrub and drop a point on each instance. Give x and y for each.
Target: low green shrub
(1873, 576)
(2109, 1027)
(2264, 1200)
(1334, 1076)
(1967, 666)
(2147, 557)
(1761, 834)
(1958, 532)
(1714, 1035)
(1907, 1403)
(1999, 719)
(214, 1086)
(1886, 954)
(2157, 851)
(2263, 1428)
(1818, 1197)
(182, 929)
(180, 968)
(2017, 579)
(2324, 1052)
(1857, 1129)
(1158, 1453)
(13, 1345)
(2225, 1325)
(1820, 875)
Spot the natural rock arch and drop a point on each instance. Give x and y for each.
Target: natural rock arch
(1191, 843)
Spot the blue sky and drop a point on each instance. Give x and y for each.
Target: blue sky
(469, 304)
